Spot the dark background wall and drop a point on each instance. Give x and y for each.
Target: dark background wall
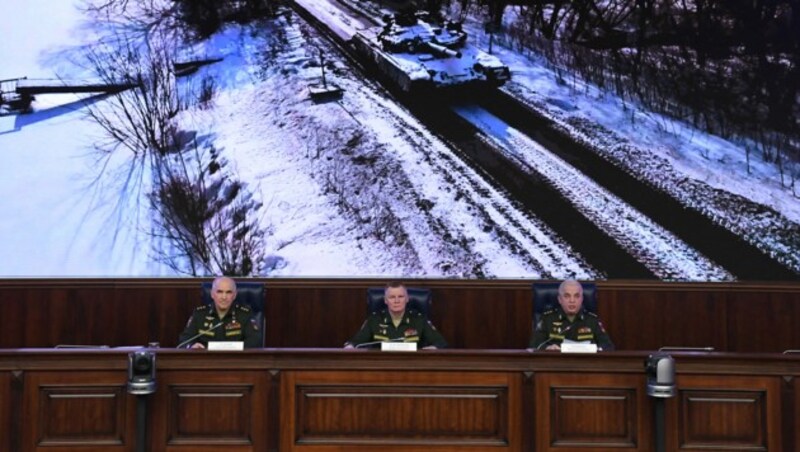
(480, 314)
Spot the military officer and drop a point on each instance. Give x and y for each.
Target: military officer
(222, 321)
(569, 321)
(395, 322)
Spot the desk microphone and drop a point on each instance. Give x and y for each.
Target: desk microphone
(563, 333)
(201, 333)
(369, 344)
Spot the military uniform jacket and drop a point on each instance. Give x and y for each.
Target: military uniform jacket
(239, 324)
(554, 326)
(414, 327)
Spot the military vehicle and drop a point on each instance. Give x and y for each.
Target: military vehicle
(418, 52)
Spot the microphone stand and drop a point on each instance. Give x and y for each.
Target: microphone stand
(196, 336)
(564, 333)
(141, 423)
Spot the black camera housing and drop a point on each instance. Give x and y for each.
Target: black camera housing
(660, 369)
(141, 372)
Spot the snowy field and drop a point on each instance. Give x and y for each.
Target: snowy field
(294, 154)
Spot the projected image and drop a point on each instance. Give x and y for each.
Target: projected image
(352, 138)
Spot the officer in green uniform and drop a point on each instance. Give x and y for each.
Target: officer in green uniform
(396, 323)
(222, 321)
(569, 321)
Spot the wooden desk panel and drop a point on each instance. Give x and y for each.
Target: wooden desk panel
(82, 411)
(576, 411)
(401, 410)
(446, 401)
(201, 410)
(725, 413)
(5, 410)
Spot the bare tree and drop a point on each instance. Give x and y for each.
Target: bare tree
(141, 119)
(208, 219)
(205, 219)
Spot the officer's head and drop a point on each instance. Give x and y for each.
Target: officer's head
(570, 296)
(223, 292)
(396, 297)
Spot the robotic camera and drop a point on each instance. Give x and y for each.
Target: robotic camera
(141, 372)
(660, 369)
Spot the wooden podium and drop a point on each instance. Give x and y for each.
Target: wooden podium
(365, 400)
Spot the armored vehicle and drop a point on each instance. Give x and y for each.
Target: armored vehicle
(419, 52)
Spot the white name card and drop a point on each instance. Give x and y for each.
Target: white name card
(226, 345)
(577, 347)
(398, 346)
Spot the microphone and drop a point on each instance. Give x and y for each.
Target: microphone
(192, 339)
(370, 344)
(563, 333)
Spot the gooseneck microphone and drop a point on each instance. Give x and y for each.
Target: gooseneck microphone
(201, 333)
(369, 344)
(549, 340)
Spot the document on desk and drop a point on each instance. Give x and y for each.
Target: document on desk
(570, 346)
(226, 345)
(398, 346)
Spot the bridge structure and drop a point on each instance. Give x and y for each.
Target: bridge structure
(18, 93)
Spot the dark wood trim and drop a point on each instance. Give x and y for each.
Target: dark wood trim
(474, 314)
(15, 405)
(789, 409)
(325, 283)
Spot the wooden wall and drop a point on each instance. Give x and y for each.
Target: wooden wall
(478, 314)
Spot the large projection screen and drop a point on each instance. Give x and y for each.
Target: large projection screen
(154, 138)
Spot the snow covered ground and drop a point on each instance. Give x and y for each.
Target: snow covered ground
(414, 209)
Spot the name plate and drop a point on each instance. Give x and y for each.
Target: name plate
(226, 345)
(574, 347)
(398, 346)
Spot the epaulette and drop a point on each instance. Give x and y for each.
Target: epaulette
(414, 313)
(590, 313)
(549, 311)
(243, 307)
(203, 307)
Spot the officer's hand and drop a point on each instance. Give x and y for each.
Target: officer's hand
(430, 347)
(197, 345)
(348, 346)
(554, 347)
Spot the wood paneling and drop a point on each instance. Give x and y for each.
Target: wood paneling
(791, 400)
(81, 411)
(401, 410)
(591, 410)
(732, 413)
(446, 400)
(210, 411)
(473, 314)
(5, 410)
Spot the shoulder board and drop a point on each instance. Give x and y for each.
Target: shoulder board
(590, 313)
(414, 313)
(242, 307)
(203, 307)
(549, 311)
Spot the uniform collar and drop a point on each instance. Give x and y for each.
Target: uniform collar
(563, 315)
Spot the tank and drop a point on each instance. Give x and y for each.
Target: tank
(418, 52)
